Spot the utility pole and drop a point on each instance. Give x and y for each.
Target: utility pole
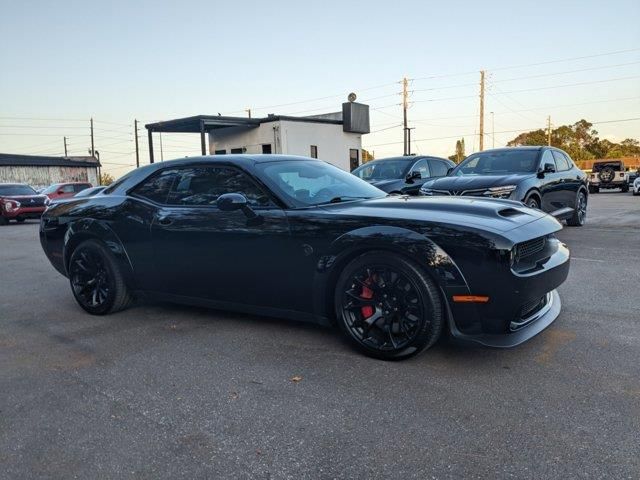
(161, 153)
(409, 140)
(405, 105)
(135, 129)
(493, 132)
(481, 110)
(549, 130)
(65, 146)
(93, 151)
(248, 110)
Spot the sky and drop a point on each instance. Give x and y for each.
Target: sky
(64, 62)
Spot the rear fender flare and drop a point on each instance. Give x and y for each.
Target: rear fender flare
(88, 228)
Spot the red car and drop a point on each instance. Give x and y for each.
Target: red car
(64, 190)
(19, 202)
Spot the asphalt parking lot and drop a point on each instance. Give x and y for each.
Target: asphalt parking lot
(163, 391)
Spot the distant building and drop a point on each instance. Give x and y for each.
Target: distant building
(40, 172)
(334, 137)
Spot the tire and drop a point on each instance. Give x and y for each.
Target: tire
(579, 217)
(403, 302)
(625, 189)
(92, 264)
(594, 189)
(3, 220)
(532, 201)
(20, 220)
(606, 175)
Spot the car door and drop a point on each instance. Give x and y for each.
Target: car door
(413, 188)
(570, 178)
(201, 251)
(551, 186)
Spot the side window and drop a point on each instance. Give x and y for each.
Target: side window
(156, 188)
(201, 186)
(68, 189)
(547, 157)
(438, 168)
(80, 187)
(422, 167)
(562, 163)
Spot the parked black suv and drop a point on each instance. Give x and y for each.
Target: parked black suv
(404, 175)
(541, 177)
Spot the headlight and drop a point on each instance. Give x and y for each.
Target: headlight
(11, 205)
(504, 191)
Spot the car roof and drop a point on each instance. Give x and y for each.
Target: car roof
(14, 185)
(407, 158)
(510, 149)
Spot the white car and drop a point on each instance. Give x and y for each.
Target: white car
(636, 186)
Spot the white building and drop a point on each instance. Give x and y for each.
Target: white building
(333, 137)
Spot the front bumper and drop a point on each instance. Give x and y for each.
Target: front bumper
(24, 212)
(521, 304)
(507, 340)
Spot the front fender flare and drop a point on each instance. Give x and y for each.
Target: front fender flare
(408, 243)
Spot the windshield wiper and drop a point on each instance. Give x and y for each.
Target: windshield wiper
(342, 198)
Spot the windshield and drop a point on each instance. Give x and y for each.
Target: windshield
(383, 170)
(11, 190)
(498, 163)
(308, 182)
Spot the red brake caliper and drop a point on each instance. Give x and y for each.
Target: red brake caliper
(367, 293)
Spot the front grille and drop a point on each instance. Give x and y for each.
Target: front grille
(530, 247)
(532, 307)
(461, 193)
(529, 310)
(32, 202)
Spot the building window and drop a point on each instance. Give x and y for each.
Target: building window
(237, 150)
(314, 151)
(354, 158)
(221, 152)
(266, 148)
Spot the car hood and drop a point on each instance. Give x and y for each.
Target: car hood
(384, 182)
(487, 214)
(476, 182)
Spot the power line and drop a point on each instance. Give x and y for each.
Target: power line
(503, 131)
(524, 65)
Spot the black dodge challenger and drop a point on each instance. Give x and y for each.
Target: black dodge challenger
(299, 238)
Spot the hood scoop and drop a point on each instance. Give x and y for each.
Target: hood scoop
(511, 212)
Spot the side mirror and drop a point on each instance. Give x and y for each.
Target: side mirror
(548, 168)
(60, 192)
(232, 201)
(449, 170)
(413, 176)
(229, 202)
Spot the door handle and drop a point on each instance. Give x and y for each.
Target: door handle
(164, 221)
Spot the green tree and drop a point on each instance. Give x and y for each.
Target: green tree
(106, 179)
(579, 140)
(459, 155)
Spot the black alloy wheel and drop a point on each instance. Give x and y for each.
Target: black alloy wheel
(387, 306)
(579, 217)
(96, 281)
(4, 220)
(532, 202)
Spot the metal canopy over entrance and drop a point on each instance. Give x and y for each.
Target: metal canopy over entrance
(198, 124)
